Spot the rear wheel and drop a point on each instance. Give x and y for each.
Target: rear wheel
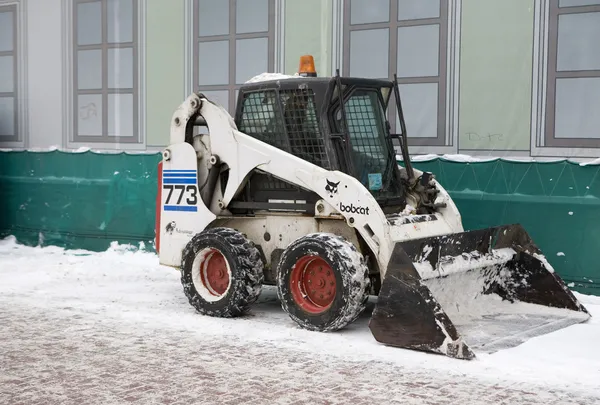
(322, 282)
(222, 272)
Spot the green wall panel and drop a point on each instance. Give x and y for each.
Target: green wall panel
(87, 200)
(496, 58)
(78, 200)
(308, 28)
(165, 69)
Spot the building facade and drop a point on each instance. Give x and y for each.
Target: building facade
(518, 78)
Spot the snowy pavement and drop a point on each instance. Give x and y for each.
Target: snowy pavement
(115, 327)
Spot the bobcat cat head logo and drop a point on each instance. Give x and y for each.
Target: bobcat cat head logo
(331, 188)
(170, 227)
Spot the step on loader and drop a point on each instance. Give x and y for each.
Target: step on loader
(302, 190)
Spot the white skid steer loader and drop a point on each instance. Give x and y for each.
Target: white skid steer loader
(302, 191)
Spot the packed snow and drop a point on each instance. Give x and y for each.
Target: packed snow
(487, 323)
(114, 326)
(467, 158)
(459, 263)
(82, 149)
(463, 158)
(263, 77)
(591, 163)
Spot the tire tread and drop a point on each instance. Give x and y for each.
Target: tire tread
(247, 288)
(356, 276)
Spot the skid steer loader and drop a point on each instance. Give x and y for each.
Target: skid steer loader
(303, 191)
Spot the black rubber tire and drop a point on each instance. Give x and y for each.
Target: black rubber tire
(352, 281)
(245, 265)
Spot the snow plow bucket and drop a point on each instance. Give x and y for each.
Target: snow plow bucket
(482, 290)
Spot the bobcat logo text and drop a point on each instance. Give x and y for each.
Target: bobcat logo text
(352, 209)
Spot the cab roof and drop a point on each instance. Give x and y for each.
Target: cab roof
(282, 81)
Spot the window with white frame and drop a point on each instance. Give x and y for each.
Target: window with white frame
(573, 78)
(9, 131)
(410, 38)
(234, 41)
(105, 62)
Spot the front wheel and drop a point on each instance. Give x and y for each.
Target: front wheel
(222, 272)
(322, 282)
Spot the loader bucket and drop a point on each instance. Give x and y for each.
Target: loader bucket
(482, 290)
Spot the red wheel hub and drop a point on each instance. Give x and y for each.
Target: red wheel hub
(213, 272)
(313, 284)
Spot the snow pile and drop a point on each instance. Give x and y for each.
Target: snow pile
(544, 261)
(467, 158)
(420, 158)
(458, 264)
(591, 163)
(459, 158)
(462, 158)
(486, 322)
(81, 149)
(408, 210)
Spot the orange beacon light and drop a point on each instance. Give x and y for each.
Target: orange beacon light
(307, 66)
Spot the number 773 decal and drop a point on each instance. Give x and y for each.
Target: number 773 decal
(181, 190)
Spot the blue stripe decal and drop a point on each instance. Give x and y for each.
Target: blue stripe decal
(188, 208)
(179, 171)
(191, 175)
(179, 181)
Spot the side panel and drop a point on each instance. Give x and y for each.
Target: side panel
(415, 227)
(339, 227)
(158, 206)
(271, 232)
(274, 233)
(183, 214)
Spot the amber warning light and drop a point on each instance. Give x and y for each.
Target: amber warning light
(307, 66)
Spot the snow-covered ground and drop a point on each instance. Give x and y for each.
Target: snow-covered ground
(114, 327)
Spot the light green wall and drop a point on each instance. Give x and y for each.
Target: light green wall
(165, 69)
(496, 59)
(308, 26)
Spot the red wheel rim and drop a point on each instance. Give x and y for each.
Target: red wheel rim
(313, 284)
(214, 274)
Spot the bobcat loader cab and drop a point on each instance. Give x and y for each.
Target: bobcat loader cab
(302, 191)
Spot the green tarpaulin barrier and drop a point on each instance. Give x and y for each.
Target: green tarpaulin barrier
(78, 200)
(557, 202)
(87, 200)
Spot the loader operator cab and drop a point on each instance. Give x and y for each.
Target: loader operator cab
(304, 116)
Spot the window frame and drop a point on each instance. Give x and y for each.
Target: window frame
(15, 93)
(444, 65)
(105, 91)
(555, 11)
(232, 37)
